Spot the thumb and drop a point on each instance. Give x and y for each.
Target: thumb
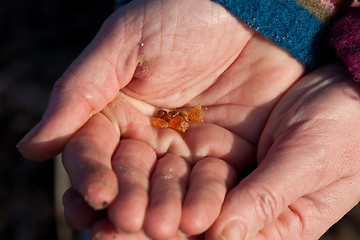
(292, 169)
(90, 83)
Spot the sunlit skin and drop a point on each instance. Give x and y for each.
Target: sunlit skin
(159, 182)
(307, 176)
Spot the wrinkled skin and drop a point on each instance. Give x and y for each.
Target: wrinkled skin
(156, 182)
(169, 54)
(307, 176)
(308, 157)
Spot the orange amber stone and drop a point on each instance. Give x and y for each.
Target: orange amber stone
(160, 123)
(196, 114)
(170, 115)
(185, 115)
(179, 123)
(162, 114)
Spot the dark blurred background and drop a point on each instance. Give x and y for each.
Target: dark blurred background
(38, 40)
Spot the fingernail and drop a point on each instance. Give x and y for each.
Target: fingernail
(30, 135)
(232, 231)
(105, 204)
(182, 234)
(147, 237)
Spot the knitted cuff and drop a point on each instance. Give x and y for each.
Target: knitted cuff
(345, 39)
(121, 2)
(298, 26)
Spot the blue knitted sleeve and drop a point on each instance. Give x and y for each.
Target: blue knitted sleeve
(121, 2)
(286, 22)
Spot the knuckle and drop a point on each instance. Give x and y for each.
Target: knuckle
(267, 204)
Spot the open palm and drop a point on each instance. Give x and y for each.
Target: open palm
(169, 54)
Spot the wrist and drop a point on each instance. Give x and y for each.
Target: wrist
(297, 26)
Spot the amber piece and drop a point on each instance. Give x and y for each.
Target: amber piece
(178, 120)
(179, 123)
(196, 114)
(171, 114)
(185, 115)
(162, 114)
(160, 123)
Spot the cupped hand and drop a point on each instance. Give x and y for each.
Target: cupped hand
(307, 178)
(236, 108)
(163, 54)
(155, 190)
(308, 175)
(119, 150)
(169, 54)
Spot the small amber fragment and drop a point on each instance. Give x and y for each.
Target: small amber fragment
(196, 114)
(160, 123)
(179, 123)
(185, 115)
(162, 114)
(171, 114)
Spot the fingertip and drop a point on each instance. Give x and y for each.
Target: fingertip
(127, 212)
(69, 196)
(32, 133)
(232, 230)
(38, 151)
(225, 229)
(42, 143)
(161, 229)
(99, 194)
(210, 181)
(104, 230)
(198, 224)
(28, 147)
(79, 215)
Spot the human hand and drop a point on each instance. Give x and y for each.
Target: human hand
(308, 175)
(308, 169)
(157, 191)
(169, 54)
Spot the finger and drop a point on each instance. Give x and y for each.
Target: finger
(87, 159)
(69, 196)
(78, 214)
(168, 186)
(132, 163)
(209, 140)
(104, 230)
(310, 216)
(293, 167)
(88, 85)
(209, 181)
(220, 143)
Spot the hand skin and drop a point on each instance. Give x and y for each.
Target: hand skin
(167, 53)
(307, 176)
(170, 54)
(308, 173)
